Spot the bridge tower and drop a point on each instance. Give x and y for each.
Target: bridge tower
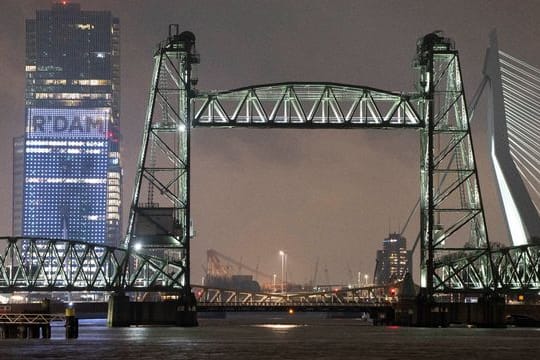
(452, 217)
(159, 222)
(508, 105)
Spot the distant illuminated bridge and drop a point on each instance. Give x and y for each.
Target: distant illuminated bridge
(456, 255)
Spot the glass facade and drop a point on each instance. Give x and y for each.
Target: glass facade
(72, 175)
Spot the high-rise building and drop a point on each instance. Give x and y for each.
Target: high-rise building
(18, 180)
(394, 260)
(70, 182)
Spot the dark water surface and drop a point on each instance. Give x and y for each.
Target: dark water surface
(278, 337)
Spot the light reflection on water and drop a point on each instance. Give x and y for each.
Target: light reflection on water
(279, 327)
(273, 336)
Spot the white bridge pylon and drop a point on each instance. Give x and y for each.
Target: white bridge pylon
(514, 129)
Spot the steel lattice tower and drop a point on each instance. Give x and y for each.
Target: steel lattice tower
(160, 212)
(452, 217)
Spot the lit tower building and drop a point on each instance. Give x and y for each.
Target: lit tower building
(71, 177)
(394, 260)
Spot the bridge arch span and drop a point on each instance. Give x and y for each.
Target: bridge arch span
(305, 105)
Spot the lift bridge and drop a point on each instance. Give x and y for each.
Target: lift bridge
(456, 254)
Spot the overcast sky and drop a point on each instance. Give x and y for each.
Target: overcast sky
(332, 195)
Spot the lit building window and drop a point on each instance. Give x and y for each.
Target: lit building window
(54, 82)
(85, 26)
(92, 82)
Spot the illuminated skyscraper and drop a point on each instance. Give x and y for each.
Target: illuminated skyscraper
(394, 260)
(71, 183)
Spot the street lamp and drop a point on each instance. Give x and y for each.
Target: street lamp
(282, 254)
(275, 282)
(366, 278)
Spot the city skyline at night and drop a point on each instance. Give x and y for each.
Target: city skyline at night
(317, 194)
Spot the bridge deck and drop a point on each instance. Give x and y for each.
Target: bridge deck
(284, 307)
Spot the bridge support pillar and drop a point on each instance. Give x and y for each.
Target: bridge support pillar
(119, 311)
(487, 312)
(493, 309)
(46, 331)
(33, 331)
(430, 313)
(123, 313)
(8, 331)
(186, 311)
(406, 312)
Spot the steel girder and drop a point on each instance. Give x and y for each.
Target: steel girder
(36, 264)
(517, 268)
(305, 105)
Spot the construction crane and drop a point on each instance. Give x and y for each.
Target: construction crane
(326, 277)
(314, 279)
(350, 275)
(216, 268)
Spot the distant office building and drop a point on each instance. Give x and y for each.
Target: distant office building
(394, 260)
(67, 171)
(18, 180)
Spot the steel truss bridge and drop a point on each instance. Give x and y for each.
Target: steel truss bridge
(367, 299)
(456, 254)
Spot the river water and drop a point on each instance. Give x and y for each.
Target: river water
(257, 336)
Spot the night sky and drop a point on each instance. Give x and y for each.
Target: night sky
(332, 195)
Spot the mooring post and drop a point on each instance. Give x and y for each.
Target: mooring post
(72, 323)
(119, 311)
